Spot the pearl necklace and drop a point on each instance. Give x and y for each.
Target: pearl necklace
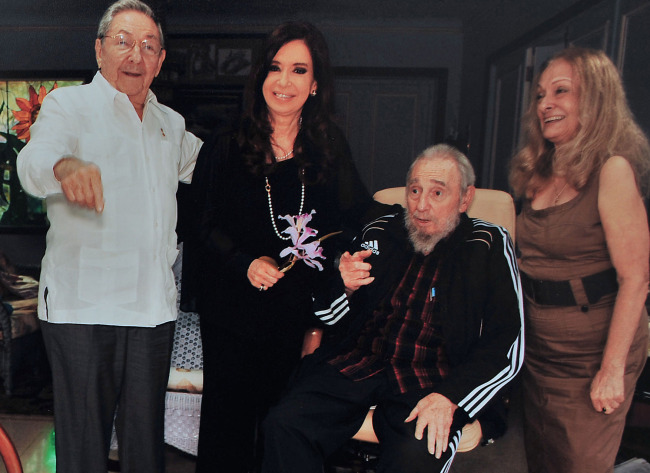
(268, 193)
(282, 158)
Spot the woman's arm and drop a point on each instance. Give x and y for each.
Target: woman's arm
(262, 273)
(625, 224)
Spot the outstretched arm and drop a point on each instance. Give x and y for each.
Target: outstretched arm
(355, 272)
(81, 182)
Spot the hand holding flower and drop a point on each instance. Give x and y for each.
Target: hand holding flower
(263, 273)
(299, 233)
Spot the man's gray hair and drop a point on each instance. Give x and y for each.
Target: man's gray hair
(442, 151)
(127, 5)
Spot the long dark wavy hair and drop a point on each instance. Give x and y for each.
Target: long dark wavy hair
(313, 146)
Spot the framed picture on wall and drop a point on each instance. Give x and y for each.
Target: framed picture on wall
(210, 59)
(21, 96)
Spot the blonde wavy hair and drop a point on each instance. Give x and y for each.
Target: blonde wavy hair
(607, 128)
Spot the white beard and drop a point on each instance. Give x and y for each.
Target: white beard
(423, 242)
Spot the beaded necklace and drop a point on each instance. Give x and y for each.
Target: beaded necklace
(283, 157)
(271, 212)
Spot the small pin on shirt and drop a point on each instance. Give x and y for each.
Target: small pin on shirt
(163, 132)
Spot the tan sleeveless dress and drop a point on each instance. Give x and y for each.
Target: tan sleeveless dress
(564, 345)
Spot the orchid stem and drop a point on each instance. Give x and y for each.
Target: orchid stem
(329, 235)
(292, 260)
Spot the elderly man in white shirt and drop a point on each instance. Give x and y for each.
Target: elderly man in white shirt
(107, 157)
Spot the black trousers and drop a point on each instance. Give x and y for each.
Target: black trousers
(97, 369)
(242, 378)
(324, 409)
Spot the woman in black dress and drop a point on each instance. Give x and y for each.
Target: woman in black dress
(286, 159)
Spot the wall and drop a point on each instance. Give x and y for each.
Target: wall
(48, 43)
(422, 43)
(619, 27)
(46, 48)
(426, 43)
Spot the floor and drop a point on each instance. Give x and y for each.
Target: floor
(179, 462)
(33, 437)
(34, 441)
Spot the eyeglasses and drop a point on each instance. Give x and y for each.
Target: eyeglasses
(125, 42)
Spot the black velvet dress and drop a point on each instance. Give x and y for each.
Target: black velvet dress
(252, 339)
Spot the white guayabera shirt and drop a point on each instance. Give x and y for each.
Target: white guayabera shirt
(112, 268)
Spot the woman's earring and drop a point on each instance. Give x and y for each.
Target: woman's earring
(313, 93)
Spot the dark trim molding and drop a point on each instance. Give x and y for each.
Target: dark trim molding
(439, 73)
(528, 37)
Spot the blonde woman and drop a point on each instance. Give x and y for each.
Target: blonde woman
(582, 174)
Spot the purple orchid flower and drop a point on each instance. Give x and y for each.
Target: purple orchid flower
(299, 233)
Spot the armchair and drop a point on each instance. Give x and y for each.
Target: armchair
(490, 205)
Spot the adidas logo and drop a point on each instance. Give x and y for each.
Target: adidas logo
(371, 245)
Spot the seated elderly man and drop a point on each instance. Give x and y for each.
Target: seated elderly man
(434, 305)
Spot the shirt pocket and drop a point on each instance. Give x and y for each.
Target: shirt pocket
(168, 161)
(108, 277)
(113, 155)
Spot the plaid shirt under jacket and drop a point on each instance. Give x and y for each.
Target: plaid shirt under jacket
(401, 337)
